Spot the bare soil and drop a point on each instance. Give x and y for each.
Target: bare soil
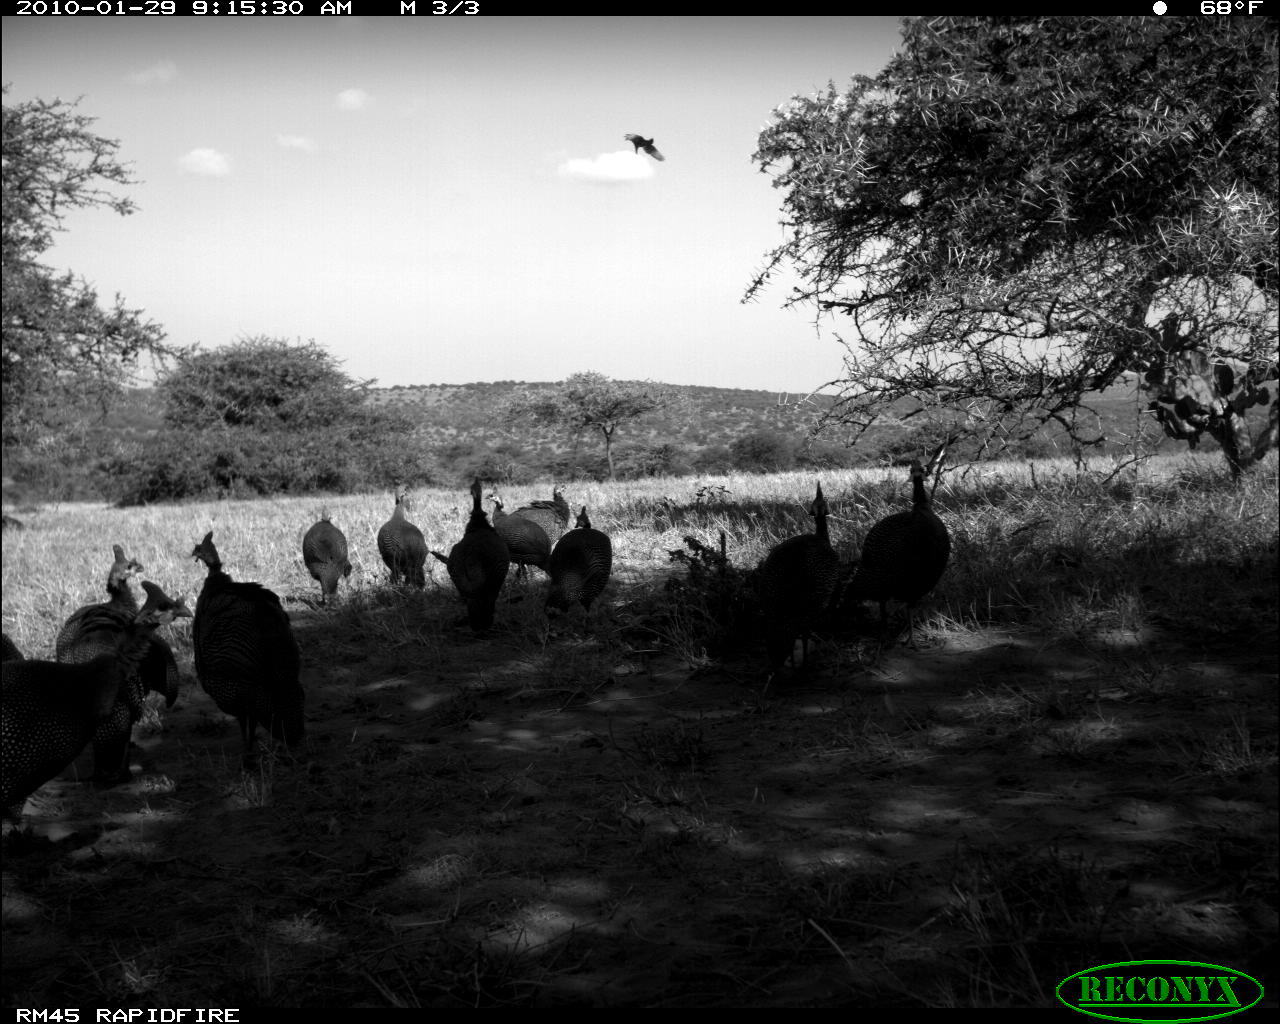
(576, 815)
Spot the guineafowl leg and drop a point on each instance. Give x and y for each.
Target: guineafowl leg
(248, 731)
(111, 762)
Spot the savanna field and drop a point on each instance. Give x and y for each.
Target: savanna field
(1075, 765)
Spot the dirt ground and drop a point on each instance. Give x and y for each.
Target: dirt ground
(581, 816)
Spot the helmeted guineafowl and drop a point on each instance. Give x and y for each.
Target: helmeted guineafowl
(246, 656)
(796, 583)
(527, 542)
(324, 550)
(402, 545)
(552, 515)
(478, 565)
(579, 565)
(49, 710)
(903, 557)
(95, 630)
(646, 144)
(156, 671)
(117, 612)
(11, 652)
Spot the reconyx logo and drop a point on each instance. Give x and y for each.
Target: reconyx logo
(1163, 990)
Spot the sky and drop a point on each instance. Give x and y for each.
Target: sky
(444, 201)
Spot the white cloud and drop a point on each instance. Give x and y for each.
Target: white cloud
(161, 71)
(352, 99)
(205, 161)
(623, 165)
(297, 142)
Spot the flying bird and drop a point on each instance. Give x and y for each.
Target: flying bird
(640, 142)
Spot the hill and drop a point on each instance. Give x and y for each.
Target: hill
(456, 431)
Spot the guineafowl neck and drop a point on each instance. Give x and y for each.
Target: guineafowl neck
(918, 494)
(820, 528)
(216, 577)
(121, 594)
(136, 645)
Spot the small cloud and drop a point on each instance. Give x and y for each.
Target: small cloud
(205, 161)
(297, 142)
(352, 99)
(162, 71)
(623, 165)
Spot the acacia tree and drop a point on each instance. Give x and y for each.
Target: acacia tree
(1018, 212)
(60, 346)
(594, 403)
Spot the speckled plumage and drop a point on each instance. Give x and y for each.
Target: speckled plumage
(903, 556)
(246, 656)
(324, 551)
(50, 710)
(796, 583)
(527, 542)
(552, 515)
(402, 546)
(478, 565)
(579, 565)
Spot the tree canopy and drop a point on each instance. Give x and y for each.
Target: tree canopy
(1017, 212)
(266, 416)
(263, 383)
(593, 403)
(60, 346)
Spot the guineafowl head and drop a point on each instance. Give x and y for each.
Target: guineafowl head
(123, 567)
(582, 522)
(479, 519)
(161, 604)
(818, 507)
(207, 553)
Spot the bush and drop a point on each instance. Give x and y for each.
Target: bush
(656, 460)
(240, 463)
(764, 451)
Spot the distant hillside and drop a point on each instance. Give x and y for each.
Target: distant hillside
(457, 431)
(704, 420)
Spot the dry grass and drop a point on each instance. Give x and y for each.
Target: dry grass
(1077, 766)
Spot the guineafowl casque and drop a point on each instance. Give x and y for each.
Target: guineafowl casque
(117, 612)
(552, 515)
(903, 557)
(579, 565)
(11, 652)
(796, 582)
(50, 710)
(478, 564)
(646, 144)
(402, 545)
(324, 550)
(155, 672)
(246, 656)
(527, 542)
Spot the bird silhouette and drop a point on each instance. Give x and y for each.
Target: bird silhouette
(640, 142)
